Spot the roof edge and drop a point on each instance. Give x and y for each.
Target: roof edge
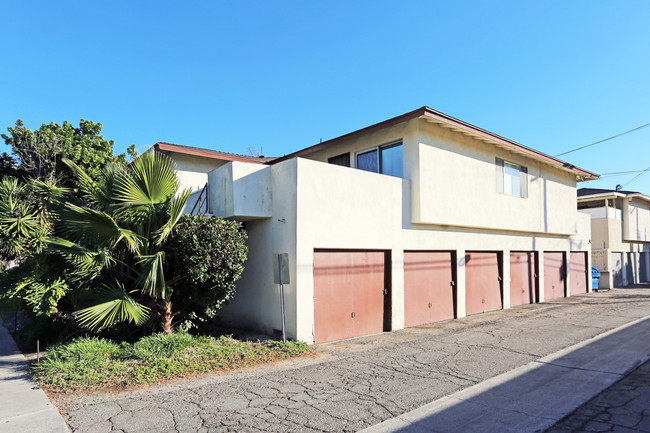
(208, 153)
(453, 122)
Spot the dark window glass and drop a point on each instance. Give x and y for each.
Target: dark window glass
(392, 160)
(343, 160)
(368, 161)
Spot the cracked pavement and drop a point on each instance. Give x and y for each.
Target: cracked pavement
(357, 383)
(622, 408)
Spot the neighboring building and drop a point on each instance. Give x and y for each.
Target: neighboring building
(620, 234)
(416, 219)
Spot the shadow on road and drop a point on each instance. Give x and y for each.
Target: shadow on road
(533, 398)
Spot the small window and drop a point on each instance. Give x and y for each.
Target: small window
(387, 159)
(342, 160)
(512, 179)
(392, 160)
(368, 161)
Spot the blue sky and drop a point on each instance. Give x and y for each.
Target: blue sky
(281, 75)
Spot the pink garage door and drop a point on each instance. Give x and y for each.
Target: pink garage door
(428, 287)
(554, 276)
(523, 278)
(482, 282)
(578, 273)
(349, 292)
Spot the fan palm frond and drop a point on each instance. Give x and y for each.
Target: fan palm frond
(82, 222)
(151, 179)
(87, 184)
(152, 276)
(87, 263)
(118, 307)
(175, 212)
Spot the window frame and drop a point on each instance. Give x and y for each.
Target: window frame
(378, 149)
(501, 177)
(346, 155)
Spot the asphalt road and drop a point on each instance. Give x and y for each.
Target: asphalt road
(354, 384)
(622, 408)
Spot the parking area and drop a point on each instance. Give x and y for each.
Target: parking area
(354, 384)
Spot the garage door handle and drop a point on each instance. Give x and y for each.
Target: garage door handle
(430, 304)
(352, 314)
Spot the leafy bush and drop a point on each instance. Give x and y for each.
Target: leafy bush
(207, 254)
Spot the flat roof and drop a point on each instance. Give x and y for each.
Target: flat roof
(454, 124)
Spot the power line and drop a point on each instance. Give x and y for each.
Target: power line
(620, 173)
(606, 139)
(635, 177)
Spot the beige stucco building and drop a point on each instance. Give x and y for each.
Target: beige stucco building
(416, 219)
(620, 234)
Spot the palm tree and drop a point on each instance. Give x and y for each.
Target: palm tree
(22, 227)
(114, 238)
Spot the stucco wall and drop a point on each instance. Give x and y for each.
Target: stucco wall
(453, 181)
(193, 170)
(257, 301)
(638, 220)
(241, 191)
(456, 185)
(375, 214)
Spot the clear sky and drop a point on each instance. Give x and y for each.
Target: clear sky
(281, 75)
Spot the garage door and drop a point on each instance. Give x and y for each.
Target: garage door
(428, 287)
(578, 273)
(349, 292)
(523, 278)
(554, 276)
(482, 282)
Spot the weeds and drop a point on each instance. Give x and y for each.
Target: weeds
(89, 362)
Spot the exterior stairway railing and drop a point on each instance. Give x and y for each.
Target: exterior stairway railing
(201, 202)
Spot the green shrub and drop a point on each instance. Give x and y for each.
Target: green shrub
(207, 255)
(90, 348)
(159, 346)
(161, 356)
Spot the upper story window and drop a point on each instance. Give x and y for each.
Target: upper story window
(512, 179)
(387, 159)
(342, 160)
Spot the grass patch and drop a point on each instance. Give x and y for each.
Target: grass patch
(90, 362)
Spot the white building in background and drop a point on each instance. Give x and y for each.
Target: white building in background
(620, 234)
(412, 220)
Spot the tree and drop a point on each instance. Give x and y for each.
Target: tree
(113, 241)
(39, 154)
(23, 224)
(7, 165)
(209, 254)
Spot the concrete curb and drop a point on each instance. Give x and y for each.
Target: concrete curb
(534, 397)
(25, 407)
